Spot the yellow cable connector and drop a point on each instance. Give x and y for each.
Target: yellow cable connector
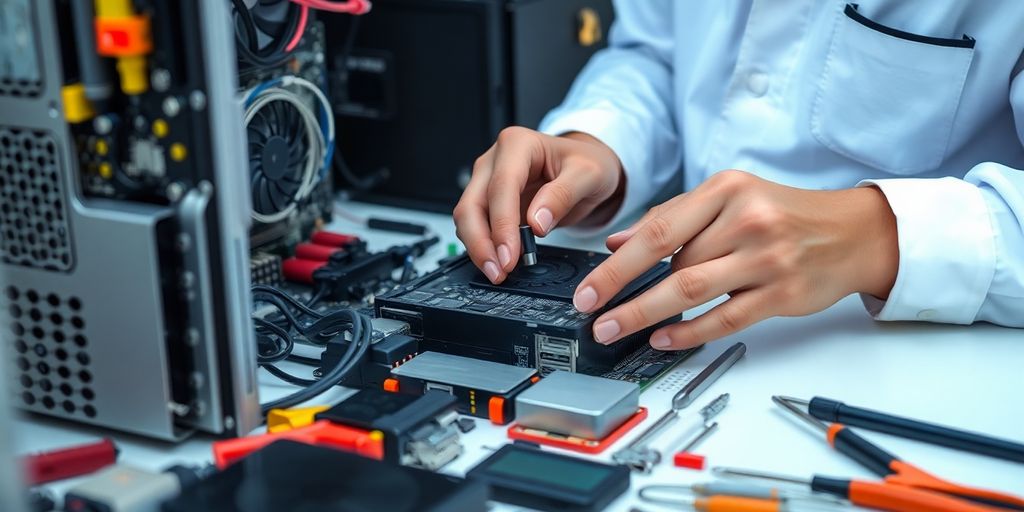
(281, 420)
(77, 107)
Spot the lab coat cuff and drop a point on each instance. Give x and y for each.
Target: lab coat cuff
(614, 130)
(947, 251)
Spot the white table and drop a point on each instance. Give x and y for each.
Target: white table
(969, 377)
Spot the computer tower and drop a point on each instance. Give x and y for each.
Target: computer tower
(124, 217)
(428, 85)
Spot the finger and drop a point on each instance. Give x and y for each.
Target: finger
(678, 292)
(519, 153)
(558, 197)
(739, 312)
(658, 238)
(710, 244)
(471, 225)
(615, 240)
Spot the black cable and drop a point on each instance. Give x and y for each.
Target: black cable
(283, 350)
(287, 377)
(361, 331)
(275, 53)
(308, 361)
(326, 328)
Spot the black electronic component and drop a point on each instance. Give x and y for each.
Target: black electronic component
(352, 280)
(265, 268)
(420, 431)
(382, 357)
(528, 320)
(395, 226)
(542, 480)
(529, 246)
(298, 476)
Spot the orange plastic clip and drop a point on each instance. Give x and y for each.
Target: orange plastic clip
(323, 433)
(127, 36)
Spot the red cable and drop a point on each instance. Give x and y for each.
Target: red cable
(303, 18)
(346, 6)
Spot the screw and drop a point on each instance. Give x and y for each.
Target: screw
(102, 125)
(161, 79)
(171, 106)
(174, 191)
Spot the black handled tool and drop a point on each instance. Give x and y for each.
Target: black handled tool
(837, 412)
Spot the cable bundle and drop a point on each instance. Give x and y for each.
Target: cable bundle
(276, 339)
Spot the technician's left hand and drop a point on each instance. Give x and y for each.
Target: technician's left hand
(775, 250)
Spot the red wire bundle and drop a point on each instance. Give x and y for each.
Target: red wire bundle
(347, 6)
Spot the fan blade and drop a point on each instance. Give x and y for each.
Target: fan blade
(267, 197)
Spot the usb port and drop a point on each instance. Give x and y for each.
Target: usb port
(554, 354)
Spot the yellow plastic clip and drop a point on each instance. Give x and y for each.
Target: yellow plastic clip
(77, 107)
(281, 420)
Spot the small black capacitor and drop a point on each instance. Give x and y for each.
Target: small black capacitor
(529, 246)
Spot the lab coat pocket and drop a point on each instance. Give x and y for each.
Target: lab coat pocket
(888, 98)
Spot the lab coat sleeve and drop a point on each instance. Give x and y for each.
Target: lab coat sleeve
(623, 97)
(961, 243)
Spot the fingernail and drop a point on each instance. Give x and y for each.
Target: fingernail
(660, 340)
(491, 271)
(624, 232)
(504, 255)
(605, 331)
(544, 219)
(585, 299)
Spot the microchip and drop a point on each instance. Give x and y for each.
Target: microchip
(651, 371)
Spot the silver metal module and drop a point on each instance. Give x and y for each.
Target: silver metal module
(464, 372)
(577, 405)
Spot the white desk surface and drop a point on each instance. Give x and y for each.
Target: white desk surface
(968, 377)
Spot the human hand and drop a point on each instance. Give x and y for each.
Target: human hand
(547, 180)
(775, 250)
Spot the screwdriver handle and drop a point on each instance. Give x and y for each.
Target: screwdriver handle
(895, 498)
(837, 412)
(866, 453)
(736, 504)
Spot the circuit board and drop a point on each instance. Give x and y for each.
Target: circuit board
(646, 365)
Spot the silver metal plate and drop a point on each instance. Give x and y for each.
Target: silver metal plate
(465, 372)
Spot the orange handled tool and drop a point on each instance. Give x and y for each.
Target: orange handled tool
(736, 504)
(669, 495)
(323, 433)
(905, 487)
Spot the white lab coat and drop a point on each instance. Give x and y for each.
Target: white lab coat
(813, 94)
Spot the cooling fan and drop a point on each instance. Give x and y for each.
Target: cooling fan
(289, 145)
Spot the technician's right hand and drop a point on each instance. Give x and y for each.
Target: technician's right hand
(549, 181)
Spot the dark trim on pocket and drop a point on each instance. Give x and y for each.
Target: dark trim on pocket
(853, 14)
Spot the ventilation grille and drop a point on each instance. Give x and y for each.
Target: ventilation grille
(51, 352)
(33, 215)
(19, 56)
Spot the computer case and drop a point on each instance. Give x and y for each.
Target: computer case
(123, 313)
(430, 83)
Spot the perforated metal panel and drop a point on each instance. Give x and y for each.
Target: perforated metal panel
(50, 352)
(33, 214)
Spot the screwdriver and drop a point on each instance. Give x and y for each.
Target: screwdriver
(877, 495)
(835, 411)
(665, 495)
